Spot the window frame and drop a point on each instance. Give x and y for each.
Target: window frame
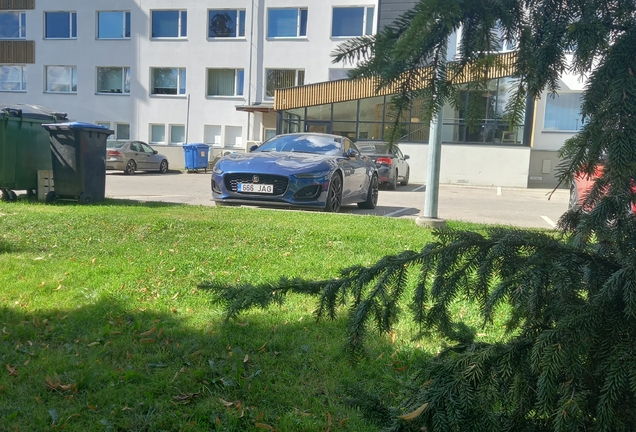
(23, 80)
(150, 137)
(236, 83)
(365, 23)
(123, 80)
(126, 25)
(299, 22)
(73, 75)
(177, 94)
(180, 25)
(71, 15)
(170, 129)
(238, 25)
(267, 96)
(21, 24)
(545, 113)
(116, 129)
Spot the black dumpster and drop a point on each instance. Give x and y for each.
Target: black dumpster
(78, 155)
(24, 147)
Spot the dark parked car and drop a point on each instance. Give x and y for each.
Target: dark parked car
(306, 170)
(391, 163)
(131, 156)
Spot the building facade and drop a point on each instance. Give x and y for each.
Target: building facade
(202, 71)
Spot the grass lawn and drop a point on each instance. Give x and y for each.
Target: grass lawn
(102, 326)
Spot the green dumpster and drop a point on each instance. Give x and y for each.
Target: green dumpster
(24, 147)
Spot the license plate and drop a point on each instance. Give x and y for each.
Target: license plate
(256, 188)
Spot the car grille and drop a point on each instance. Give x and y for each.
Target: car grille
(280, 182)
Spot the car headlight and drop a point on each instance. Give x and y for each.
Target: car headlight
(312, 175)
(217, 170)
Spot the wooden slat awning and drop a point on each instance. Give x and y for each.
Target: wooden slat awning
(347, 90)
(17, 52)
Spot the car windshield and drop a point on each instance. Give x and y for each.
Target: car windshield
(303, 143)
(370, 148)
(114, 144)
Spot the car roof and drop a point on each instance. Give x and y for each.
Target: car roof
(325, 135)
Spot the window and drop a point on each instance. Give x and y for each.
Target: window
(212, 135)
(168, 81)
(225, 82)
(226, 23)
(286, 23)
(113, 25)
(61, 79)
(12, 25)
(177, 134)
(169, 24)
(60, 25)
(563, 112)
(113, 80)
(233, 136)
(283, 78)
(352, 21)
(122, 131)
(158, 133)
(13, 78)
(338, 74)
(268, 133)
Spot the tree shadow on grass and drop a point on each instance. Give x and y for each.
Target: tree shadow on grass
(105, 367)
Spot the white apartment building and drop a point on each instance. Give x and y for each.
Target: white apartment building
(204, 71)
(169, 72)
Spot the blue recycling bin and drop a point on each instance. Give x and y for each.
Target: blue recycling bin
(196, 156)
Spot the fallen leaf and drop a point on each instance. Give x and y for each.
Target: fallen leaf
(342, 423)
(185, 398)
(262, 349)
(226, 403)
(414, 414)
(149, 332)
(93, 344)
(59, 287)
(247, 357)
(13, 371)
(286, 254)
(175, 296)
(264, 426)
(4, 330)
(172, 269)
(243, 324)
(147, 340)
(328, 422)
(93, 260)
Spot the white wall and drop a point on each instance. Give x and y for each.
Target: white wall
(481, 165)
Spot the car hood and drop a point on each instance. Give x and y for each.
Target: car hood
(276, 162)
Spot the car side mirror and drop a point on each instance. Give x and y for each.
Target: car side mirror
(407, 157)
(352, 153)
(252, 148)
(155, 152)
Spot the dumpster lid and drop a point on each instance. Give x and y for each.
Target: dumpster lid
(78, 126)
(29, 111)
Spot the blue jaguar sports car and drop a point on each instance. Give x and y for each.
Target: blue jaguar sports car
(306, 170)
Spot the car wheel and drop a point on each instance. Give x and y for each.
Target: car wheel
(131, 167)
(50, 197)
(392, 184)
(163, 166)
(405, 182)
(334, 196)
(574, 197)
(372, 195)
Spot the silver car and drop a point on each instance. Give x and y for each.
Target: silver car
(131, 156)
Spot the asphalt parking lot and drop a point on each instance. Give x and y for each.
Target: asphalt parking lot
(510, 206)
